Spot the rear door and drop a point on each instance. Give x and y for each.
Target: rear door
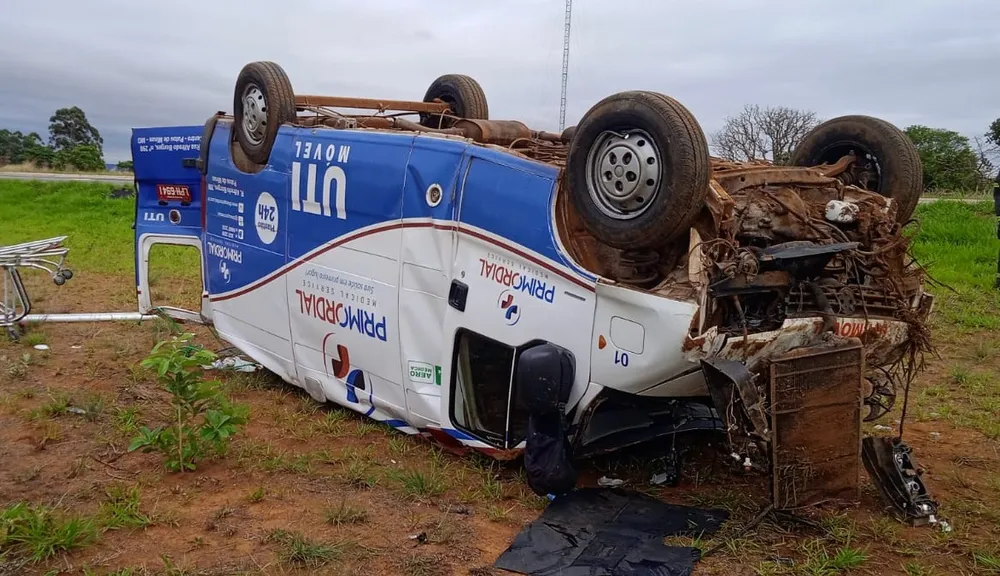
(169, 200)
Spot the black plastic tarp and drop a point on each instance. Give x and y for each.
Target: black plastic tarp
(609, 532)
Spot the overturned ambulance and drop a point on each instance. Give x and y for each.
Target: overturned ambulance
(481, 282)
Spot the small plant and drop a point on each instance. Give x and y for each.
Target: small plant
(360, 474)
(416, 484)
(55, 407)
(204, 419)
(34, 339)
(17, 369)
(127, 420)
(497, 513)
(93, 407)
(345, 514)
(400, 445)
(296, 549)
(332, 422)
(492, 488)
(35, 533)
(987, 560)
(121, 509)
(959, 374)
(420, 565)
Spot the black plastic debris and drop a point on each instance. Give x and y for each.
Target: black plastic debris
(609, 532)
(547, 460)
(890, 464)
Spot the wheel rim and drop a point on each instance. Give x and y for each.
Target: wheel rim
(623, 173)
(254, 114)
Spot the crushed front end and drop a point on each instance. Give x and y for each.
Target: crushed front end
(799, 270)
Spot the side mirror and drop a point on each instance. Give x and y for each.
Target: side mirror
(544, 377)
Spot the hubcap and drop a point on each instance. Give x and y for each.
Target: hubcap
(623, 173)
(254, 114)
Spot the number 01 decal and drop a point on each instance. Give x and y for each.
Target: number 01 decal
(621, 358)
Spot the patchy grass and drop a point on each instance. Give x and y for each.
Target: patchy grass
(34, 339)
(121, 509)
(417, 484)
(35, 533)
(344, 514)
(296, 549)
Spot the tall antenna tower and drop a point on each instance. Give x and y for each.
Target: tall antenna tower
(565, 67)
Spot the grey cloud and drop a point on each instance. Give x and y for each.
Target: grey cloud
(145, 63)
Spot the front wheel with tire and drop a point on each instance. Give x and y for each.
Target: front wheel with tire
(638, 170)
(262, 101)
(885, 159)
(462, 94)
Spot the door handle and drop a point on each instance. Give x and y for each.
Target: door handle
(457, 295)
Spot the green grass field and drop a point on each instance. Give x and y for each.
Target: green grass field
(99, 228)
(958, 243)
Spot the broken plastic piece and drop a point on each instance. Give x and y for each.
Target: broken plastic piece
(892, 470)
(234, 363)
(841, 212)
(609, 482)
(41, 347)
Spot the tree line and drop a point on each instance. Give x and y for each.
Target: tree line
(951, 162)
(73, 143)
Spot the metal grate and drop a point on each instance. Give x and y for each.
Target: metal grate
(815, 397)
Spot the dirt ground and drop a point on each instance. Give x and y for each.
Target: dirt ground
(358, 492)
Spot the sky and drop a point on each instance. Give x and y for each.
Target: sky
(155, 62)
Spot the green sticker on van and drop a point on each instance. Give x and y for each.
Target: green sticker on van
(424, 373)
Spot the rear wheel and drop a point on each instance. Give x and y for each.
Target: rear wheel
(886, 161)
(262, 102)
(638, 170)
(567, 134)
(463, 95)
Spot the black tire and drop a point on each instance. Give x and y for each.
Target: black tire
(567, 134)
(677, 186)
(278, 101)
(899, 173)
(462, 93)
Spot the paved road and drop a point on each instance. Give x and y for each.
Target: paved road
(966, 200)
(48, 177)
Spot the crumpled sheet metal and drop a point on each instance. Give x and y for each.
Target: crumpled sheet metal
(881, 339)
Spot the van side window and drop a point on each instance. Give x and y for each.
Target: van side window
(484, 402)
